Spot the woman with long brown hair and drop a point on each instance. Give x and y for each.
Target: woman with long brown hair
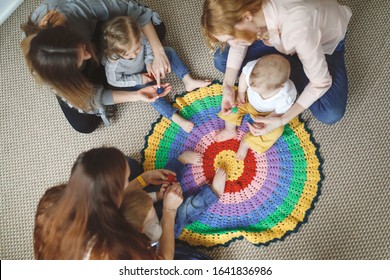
(82, 219)
(59, 52)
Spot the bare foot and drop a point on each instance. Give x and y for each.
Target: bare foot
(242, 150)
(219, 182)
(226, 134)
(189, 157)
(186, 125)
(190, 84)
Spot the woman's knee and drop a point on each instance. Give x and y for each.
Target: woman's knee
(330, 116)
(220, 60)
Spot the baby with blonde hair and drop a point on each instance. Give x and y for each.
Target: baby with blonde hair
(264, 89)
(128, 58)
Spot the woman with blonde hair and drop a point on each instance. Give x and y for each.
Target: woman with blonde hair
(59, 52)
(309, 33)
(83, 219)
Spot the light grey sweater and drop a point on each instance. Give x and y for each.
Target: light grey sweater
(127, 72)
(81, 17)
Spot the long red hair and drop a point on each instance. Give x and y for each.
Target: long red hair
(87, 208)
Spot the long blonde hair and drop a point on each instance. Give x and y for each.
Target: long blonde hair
(119, 35)
(220, 16)
(52, 57)
(86, 208)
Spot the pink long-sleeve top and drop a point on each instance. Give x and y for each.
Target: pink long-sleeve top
(310, 28)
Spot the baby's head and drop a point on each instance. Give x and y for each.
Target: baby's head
(139, 212)
(122, 38)
(269, 73)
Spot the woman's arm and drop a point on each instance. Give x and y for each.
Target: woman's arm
(151, 177)
(160, 65)
(274, 121)
(309, 50)
(172, 200)
(242, 88)
(147, 94)
(233, 65)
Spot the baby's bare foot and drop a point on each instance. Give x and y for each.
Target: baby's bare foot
(219, 182)
(242, 150)
(186, 125)
(189, 157)
(225, 134)
(190, 84)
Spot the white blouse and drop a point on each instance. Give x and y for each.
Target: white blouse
(280, 102)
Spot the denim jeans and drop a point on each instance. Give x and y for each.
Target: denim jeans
(330, 107)
(162, 106)
(193, 205)
(178, 67)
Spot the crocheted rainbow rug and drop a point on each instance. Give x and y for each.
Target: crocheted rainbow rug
(267, 196)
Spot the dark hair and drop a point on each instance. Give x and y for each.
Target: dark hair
(52, 55)
(87, 209)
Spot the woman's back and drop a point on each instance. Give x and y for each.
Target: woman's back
(47, 246)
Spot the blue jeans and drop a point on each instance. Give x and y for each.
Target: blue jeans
(162, 106)
(330, 107)
(178, 67)
(193, 205)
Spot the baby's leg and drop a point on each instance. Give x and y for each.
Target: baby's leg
(163, 107)
(219, 182)
(182, 71)
(194, 205)
(229, 132)
(260, 144)
(242, 150)
(185, 124)
(189, 157)
(190, 83)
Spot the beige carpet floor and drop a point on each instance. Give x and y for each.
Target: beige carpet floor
(351, 217)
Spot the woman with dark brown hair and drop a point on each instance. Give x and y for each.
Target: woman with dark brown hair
(59, 53)
(82, 219)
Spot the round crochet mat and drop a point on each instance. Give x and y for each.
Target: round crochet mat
(266, 196)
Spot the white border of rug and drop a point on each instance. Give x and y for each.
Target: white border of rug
(7, 7)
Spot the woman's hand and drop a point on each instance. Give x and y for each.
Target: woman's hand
(173, 197)
(160, 66)
(149, 94)
(228, 99)
(157, 177)
(262, 125)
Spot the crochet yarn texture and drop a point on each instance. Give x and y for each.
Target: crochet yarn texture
(267, 195)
